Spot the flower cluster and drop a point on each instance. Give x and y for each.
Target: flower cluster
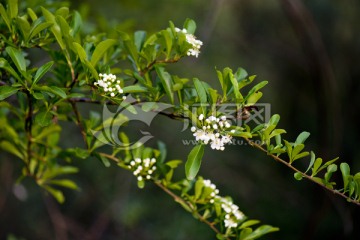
(190, 38)
(213, 131)
(233, 215)
(212, 188)
(143, 168)
(110, 85)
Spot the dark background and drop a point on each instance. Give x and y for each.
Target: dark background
(309, 51)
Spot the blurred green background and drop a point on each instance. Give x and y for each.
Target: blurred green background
(309, 51)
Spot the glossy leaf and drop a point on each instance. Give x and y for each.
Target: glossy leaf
(201, 92)
(42, 71)
(7, 91)
(302, 137)
(101, 49)
(166, 81)
(13, 7)
(193, 163)
(18, 58)
(345, 171)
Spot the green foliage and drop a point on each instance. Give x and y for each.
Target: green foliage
(36, 99)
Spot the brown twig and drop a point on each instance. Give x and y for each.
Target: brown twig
(78, 122)
(336, 192)
(181, 200)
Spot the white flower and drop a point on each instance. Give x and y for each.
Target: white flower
(212, 131)
(190, 38)
(109, 84)
(143, 168)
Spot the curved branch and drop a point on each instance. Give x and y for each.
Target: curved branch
(336, 192)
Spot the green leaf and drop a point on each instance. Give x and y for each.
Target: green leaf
(57, 194)
(64, 183)
(43, 118)
(248, 223)
(312, 160)
(13, 7)
(55, 29)
(193, 163)
(80, 52)
(58, 91)
(11, 148)
(345, 171)
(139, 39)
(256, 88)
(24, 26)
(200, 90)
(330, 170)
(37, 28)
(5, 16)
(317, 165)
(302, 137)
(135, 89)
(5, 65)
(274, 120)
(7, 91)
(260, 231)
(41, 72)
(238, 96)
(18, 58)
(31, 14)
(190, 26)
(100, 50)
(166, 81)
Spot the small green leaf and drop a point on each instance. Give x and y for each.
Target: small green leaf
(190, 26)
(13, 7)
(11, 148)
(32, 14)
(57, 194)
(43, 118)
(248, 223)
(37, 28)
(80, 52)
(166, 81)
(260, 231)
(317, 164)
(7, 91)
(64, 183)
(302, 137)
(312, 160)
(345, 171)
(58, 91)
(41, 71)
(18, 58)
(139, 39)
(200, 90)
(100, 50)
(5, 16)
(135, 89)
(193, 163)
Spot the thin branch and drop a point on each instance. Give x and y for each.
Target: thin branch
(148, 67)
(78, 122)
(28, 127)
(336, 192)
(181, 200)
